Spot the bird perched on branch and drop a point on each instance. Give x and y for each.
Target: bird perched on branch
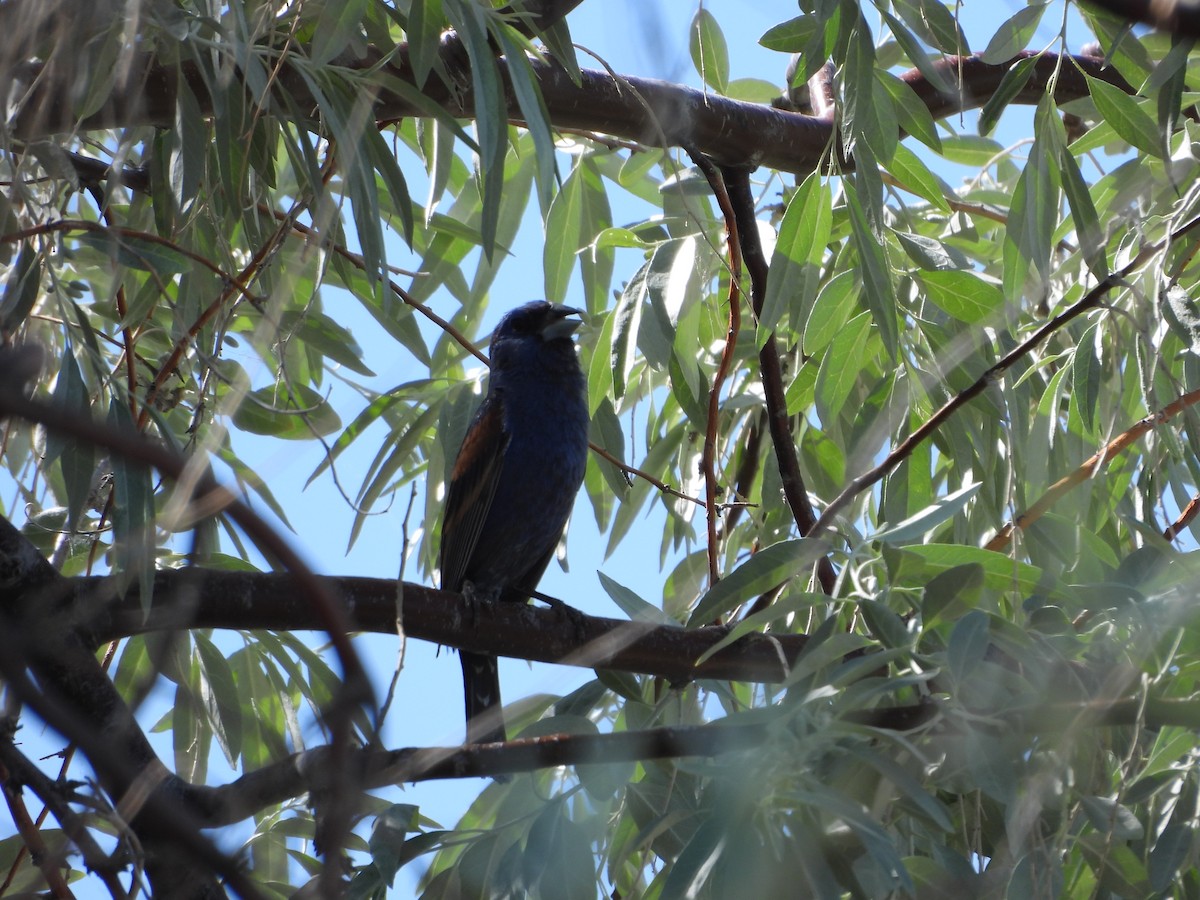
(514, 481)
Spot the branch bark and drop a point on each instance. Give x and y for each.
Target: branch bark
(730, 132)
(207, 598)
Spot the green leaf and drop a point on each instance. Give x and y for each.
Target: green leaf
(917, 526)
(1009, 88)
(76, 458)
(424, 33)
(134, 538)
(1087, 373)
(1014, 35)
(917, 564)
(970, 149)
(878, 288)
(1126, 117)
(794, 269)
(21, 290)
(917, 55)
(531, 103)
(1110, 817)
(491, 115)
(968, 642)
(325, 335)
(626, 322)
(943, 592)
(710, 53)
(564, 224)
(294, 414)
(220, 697)
(791, 36)
(337, 25)
(765, 570)
(637, 609)
(911, 113)
(830, 311)
(840, 367)
(751, 90)
(692, 867)
(136, 252)
(963, 295)
(914, 175)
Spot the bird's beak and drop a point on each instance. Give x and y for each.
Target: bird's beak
(561, 326)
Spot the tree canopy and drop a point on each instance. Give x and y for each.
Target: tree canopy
(915, 403)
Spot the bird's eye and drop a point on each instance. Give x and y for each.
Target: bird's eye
(525, 325)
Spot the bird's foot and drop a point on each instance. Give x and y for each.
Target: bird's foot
(472, 600)
(566, 611)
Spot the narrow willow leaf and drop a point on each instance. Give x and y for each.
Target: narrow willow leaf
(911, 113)
(1010, 86)
(1126, 117)
(296, 414)
(840, 367)
(963, 294)
(219, 694)
(968, 642)
(710, 53)
(425, 22)
(76, 458)
(563, 228)
(830, 311)
(791, 36)
(1087, 373)
(532, 104)
(1014, 35)
(637, 609)
(879, 291)
(626, 318)
(766, 569)
(803, 235)
(134, 537)
(917, 526)
(916, 54)
(913, 174)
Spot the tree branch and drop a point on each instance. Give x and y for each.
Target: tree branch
(269, 600)
(730, 132)
(771, 372)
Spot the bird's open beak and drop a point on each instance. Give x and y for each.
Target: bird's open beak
(561, 326)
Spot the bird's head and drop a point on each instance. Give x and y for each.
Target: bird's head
(537, 330)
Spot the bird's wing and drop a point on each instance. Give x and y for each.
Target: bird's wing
(472, 486)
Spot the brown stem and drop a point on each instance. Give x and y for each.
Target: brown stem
(708, 458)
(1092, 465)
(771, 372)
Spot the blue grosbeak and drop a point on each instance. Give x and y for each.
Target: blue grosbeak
(514, 481)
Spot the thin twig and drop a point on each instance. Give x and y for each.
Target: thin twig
(709, 456)
(1092, 465)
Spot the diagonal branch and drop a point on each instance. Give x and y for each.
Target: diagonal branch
(1090, 466)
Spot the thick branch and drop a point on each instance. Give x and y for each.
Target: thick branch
(250, 600)
(731, 132)
(1176, 16)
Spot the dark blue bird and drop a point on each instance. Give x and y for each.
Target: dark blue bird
(514, 481)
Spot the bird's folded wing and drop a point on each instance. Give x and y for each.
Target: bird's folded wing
(472, 487)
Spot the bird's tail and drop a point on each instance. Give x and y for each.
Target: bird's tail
(481, 687)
